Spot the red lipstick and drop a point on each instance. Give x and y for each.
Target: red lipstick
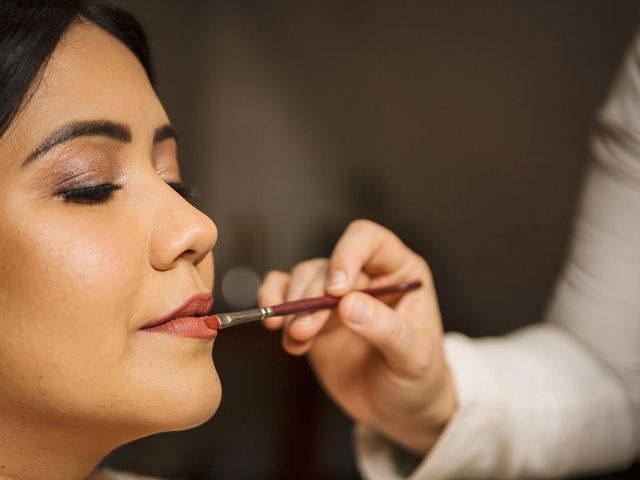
(188, 320)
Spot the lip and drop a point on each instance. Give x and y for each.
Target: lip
(186, 320)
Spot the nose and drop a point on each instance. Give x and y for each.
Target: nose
(181, 233)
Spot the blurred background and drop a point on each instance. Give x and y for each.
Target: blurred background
(462, 126)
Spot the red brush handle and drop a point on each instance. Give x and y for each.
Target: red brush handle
(328, 301)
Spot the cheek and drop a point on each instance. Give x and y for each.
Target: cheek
(83, 267)
(68, 281)
(73, 290)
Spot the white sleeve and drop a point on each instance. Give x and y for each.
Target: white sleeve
(563, 396)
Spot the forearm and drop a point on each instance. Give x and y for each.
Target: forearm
(534, 404)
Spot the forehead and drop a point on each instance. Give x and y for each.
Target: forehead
(91, 75)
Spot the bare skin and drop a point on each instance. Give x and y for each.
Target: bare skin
(78, 279)
(382, 363)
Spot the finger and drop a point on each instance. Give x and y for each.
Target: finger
(272, 292)
(365, 246)
(293, 347)
(303, 275)
(406, 351)
(297, 337)
(304, 326)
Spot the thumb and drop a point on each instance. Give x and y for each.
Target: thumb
(406, 352)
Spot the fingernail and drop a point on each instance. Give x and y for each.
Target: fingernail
(338, 279)
(357, 310)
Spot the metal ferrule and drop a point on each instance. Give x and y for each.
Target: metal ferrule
(243, 316)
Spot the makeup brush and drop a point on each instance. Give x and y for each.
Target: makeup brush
(226, 320)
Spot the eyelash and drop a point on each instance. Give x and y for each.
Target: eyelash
(185, 191)
(90, 195)
(96, 194)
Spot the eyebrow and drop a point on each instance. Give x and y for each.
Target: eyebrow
(94, 128)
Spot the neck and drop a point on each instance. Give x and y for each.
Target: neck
(32, 450)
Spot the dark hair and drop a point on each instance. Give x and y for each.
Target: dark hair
(30, 31)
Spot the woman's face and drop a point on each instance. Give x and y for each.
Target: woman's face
(81, 271)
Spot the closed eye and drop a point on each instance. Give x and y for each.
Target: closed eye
(90, 195)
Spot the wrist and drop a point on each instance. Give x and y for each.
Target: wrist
(419, 431)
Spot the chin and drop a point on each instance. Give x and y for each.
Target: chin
(202, 405)
(180, 403)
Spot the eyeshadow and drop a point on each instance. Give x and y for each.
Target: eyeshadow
(74, 165)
